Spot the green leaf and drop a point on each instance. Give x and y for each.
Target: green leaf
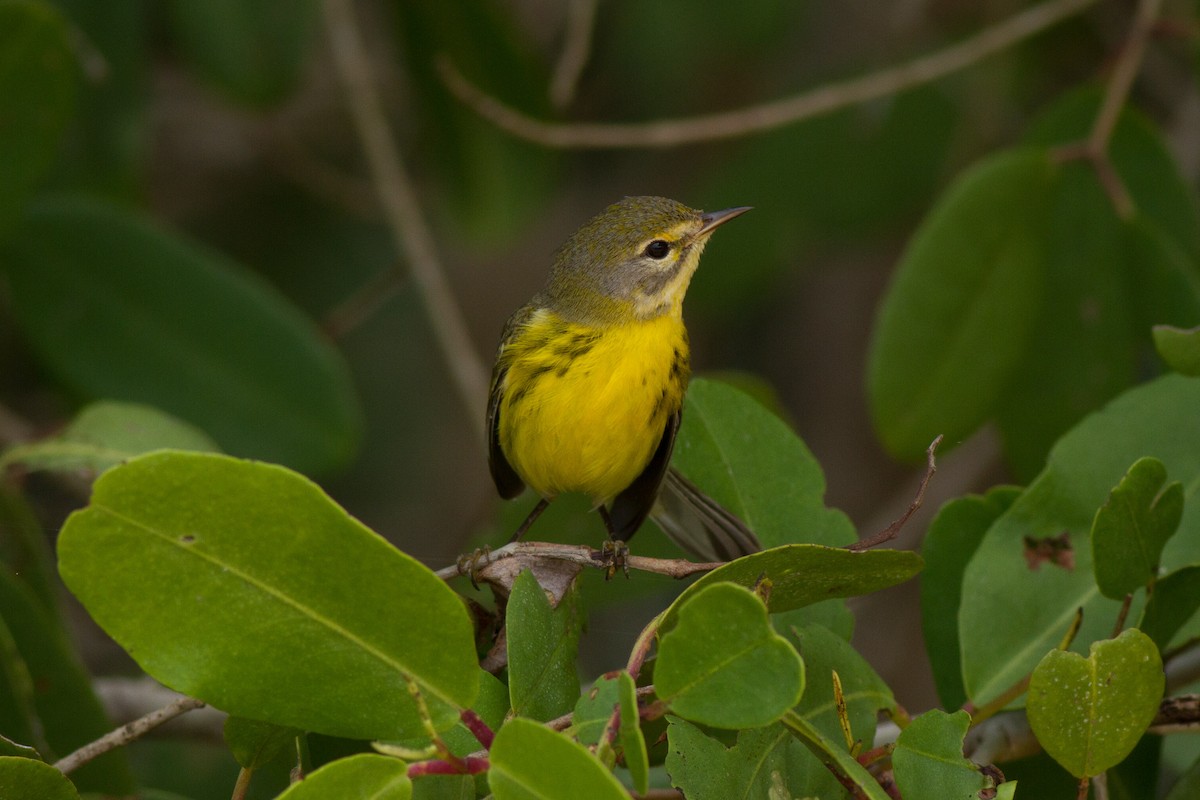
(10, 748)
(254, 743)
(1175, 599)
(1012, 612)
(119, 308)
(1188, 785)
(752, 463)
(1131, 529)
(834, 756)
(365, 775)
(629, 734)
(65, 713)
(593, 710)
(928, 759)
(865, 693)
(1082, 346)
(962, 305)
(37, 98)
(543, 642)
(765, 762)
(803, 574)
(723, 665)
(18, 713)
(491, 705)
(24, 550)
(219, 576)
(1088, 713)
(1179, 348)
(254, 53)
(531, 762)
(26, 779)
(105, 434)
(951, 540)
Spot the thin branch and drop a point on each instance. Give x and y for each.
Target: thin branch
(411, 232)
(890, 532)
(577, 47)
(126, 733)
(1126, 69)
(581, 555)
(364, 302)
(753, 119)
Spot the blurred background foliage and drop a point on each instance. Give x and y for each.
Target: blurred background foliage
(184, 209)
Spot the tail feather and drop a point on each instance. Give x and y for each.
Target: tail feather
(699, 524)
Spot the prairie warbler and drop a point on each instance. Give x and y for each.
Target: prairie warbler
(588, 385)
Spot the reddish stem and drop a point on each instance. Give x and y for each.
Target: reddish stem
(478, 728)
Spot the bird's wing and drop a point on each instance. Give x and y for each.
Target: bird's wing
(699, 524)
(633, 504)
(508, 482)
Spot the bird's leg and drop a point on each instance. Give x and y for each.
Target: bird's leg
(533, 515)
(615, 550)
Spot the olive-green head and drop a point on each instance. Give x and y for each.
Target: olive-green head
(633, 260)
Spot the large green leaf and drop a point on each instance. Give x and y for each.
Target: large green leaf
(26, 779)
(1179, 348)
(962, 305)
(531, 762)
(951, 540)
(1088, 713)
(543, 642)
(928, 759)
(65, 714)
(24, 550)
(105, 434)
(752, 463)
(365, 775)
(119, 308)
(864, 693)
(1131, 529)
(723, 665)
(833, 754)
(221, 577)
(37, 97)
(255, 743)
(253, 52)
(1013, 611)
(1175, 600)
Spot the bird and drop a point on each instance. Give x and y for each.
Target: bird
(589, 380)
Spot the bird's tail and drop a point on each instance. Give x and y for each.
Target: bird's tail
(699, 524)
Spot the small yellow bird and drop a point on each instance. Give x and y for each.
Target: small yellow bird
(587, 390)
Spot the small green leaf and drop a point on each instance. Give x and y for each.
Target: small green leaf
(219, 576)
(1187, 787)
(543, 642)
(26, 779)
(765, 762)
(105, 434)
(969, 284)
(723, 665)
(865, 693)
(751, 462)
(119, 308)
(365, 775)
(531, 762)
(950, 541)
(1131, 529)
(10, 748)
(253, 52)
(802, 574)
(37, 98)
(833, 754)
(1175, 599)
(1088, 713)
(633, 743)
(1179, 348)
(254, 743)
(928, 759)
(593, 710)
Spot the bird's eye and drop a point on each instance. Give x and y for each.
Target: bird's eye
(658, 249)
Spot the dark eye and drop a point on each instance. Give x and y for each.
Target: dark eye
(658, 249)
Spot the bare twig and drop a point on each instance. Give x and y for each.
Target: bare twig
(1125, 70)
(581, 555)
(577, 46)
(126, 733)
(889, 533)
(753, 119)
(350, 313)
(403, 212)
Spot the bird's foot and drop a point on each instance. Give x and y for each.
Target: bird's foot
(468, 563)
(614, 555)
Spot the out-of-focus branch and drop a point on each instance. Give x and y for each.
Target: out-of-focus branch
(577, 46)
(754, 119)
(402, 210)
(126, 734)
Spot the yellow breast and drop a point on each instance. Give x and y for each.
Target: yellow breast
(584, 408)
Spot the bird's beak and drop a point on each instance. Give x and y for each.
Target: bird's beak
(712, 219)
